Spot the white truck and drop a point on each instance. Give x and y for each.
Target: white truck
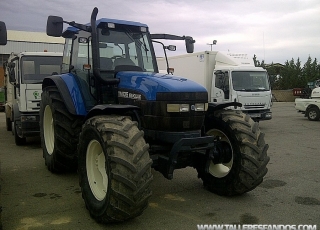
(310, 107)
(228, 77)
(24, 73)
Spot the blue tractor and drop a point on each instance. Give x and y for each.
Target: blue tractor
(112, 116)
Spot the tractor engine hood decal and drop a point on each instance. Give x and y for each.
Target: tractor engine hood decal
(149, 84)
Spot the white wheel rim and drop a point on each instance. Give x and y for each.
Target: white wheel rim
(220, 170)
(96, 170)
(48, 129)
(312, 114)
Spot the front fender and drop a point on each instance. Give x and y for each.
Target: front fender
(69, 91)
(221, 105)
(108, 109)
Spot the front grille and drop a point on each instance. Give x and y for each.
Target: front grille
(254, 106)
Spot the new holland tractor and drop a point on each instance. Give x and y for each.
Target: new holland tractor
(112, 116)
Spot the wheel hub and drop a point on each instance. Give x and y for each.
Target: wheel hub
(220, 161)
(222, 153)
(96, 170)
(48, 129)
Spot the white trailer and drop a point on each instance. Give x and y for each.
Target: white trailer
(228, 77)
(24, 73)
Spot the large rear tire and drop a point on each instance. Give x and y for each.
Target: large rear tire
(246, 168)
(114, 168)
(59, 132)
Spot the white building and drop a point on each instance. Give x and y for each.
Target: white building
(20, 41)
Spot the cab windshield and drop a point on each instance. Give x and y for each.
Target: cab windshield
(125, 48)
(35, 68)
(250, 81)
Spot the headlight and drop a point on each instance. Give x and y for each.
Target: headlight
(176, 108)
(201, 107)
(28, 118)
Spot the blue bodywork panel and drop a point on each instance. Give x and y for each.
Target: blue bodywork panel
(149, 84)
(146, 83)
(75, 93)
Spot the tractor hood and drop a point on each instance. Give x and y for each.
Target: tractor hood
(149, 84)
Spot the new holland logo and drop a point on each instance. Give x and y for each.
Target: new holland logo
(129, 95)
(36, 95)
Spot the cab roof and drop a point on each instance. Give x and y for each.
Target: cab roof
(72, 30)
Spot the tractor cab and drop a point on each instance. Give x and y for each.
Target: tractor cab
(96, 53)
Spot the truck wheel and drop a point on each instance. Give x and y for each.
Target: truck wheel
(114, 168)
(313, 114)
(245, 168)
(17, 139)
(8, 124)
(59, 131)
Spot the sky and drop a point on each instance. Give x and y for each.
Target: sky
(273, 30)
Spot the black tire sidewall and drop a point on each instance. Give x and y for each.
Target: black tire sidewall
(98, 207)
(18, 140)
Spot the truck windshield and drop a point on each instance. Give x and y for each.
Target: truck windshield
(125, 46)
(35, 68)
(250, 81)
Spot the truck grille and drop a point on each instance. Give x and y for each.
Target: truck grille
(254, 106)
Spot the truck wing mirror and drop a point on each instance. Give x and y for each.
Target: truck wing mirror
(12, 76)
(11, 65)
(189, 44)
(54, 26)
(3, 33)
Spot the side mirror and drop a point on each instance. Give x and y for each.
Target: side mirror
(171, 47)
(189, 44)
(54, 26)
(12, 76)
(3, 33)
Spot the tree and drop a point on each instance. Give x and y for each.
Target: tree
(291, 74)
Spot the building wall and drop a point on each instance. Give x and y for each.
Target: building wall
(21, 46)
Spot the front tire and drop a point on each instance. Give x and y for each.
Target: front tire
(17, 139)
(246, 168)
(59, 131)
(313, 114)
(114, 168)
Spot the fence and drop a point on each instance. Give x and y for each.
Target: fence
(283, 95)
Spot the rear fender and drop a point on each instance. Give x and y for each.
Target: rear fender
(69, 91)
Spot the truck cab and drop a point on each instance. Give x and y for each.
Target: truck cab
(228, 77)
(249, 87)
(24, 75)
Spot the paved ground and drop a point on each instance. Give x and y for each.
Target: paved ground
(34, 198)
